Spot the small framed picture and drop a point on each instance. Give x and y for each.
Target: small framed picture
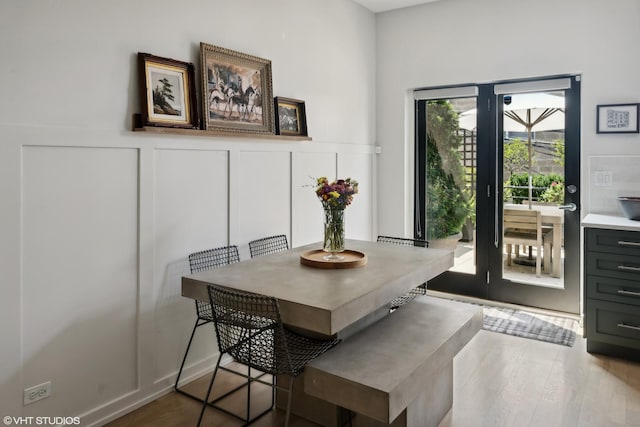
(291, 117)
(618, 118)
(167, 92)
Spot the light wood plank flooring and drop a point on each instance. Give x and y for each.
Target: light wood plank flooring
(499, 381)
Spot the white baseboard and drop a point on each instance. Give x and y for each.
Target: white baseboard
(125, 404)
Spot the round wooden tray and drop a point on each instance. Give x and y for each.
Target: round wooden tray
(351, 259)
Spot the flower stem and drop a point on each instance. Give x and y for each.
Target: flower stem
(333, 229)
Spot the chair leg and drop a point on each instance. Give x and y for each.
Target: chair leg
(248, 392)
(547, 257)
(286, 417)
(538, 259)
(249, 387)
(246, 420)
(184, 359)
(206, 398)
(273, 391)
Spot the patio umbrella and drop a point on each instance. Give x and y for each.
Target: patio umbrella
(527, 112)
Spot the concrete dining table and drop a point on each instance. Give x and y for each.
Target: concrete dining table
(326, 302)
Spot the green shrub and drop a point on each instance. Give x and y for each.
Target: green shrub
(516, 156)
(543, 182)
(554, 194)
(447, 206)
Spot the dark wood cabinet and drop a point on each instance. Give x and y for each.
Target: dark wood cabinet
(612, 292)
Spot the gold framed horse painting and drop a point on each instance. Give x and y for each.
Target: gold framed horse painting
(237, 91)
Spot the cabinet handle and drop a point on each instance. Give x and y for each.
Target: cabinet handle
(630, 293)
(624, 267)
(625, 243)
(624, 325)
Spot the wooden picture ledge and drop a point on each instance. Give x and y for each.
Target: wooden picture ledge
(210, 134)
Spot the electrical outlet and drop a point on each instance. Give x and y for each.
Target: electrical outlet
(604, 178)
(37, 392)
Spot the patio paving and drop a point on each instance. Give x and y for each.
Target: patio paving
(464, 262)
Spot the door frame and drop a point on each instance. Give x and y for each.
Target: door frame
(474, 285)
(566, 299)
(488, 283)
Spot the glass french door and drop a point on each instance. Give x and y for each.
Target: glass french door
(497, 181)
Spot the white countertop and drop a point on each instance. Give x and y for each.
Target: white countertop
(613, 222)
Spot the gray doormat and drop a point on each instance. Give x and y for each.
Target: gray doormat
(557, 330)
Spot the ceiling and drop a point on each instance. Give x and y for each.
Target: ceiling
(384, 5)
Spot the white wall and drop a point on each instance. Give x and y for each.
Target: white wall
(467, 41)
(96, 221)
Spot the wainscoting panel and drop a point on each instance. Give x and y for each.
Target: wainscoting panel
(101, 226)
(262, 195)
(306, 218)
(359, 215)
(80, 276)
(191, 214)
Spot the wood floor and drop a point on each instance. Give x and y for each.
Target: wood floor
(499, 381)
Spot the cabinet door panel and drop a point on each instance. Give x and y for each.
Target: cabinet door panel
(613, 241)
(614, 290)
(617, 324)
(618, 266)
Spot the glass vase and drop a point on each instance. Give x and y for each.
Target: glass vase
(333, 232)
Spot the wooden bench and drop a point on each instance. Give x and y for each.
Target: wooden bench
(399, 371)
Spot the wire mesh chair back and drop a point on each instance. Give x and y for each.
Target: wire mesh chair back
(268, 245)
(212, 258)
(201, 261)
(207, 260)
(420, 289)
(403, 241)
(249, 328)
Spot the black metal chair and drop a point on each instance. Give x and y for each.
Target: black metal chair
(419, 290)
(249, 328)
(268, 245)
(201, 261)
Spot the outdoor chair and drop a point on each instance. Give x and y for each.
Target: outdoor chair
(547, 248)
(201, 261)
(268, 245)
(524, 227)
(249, 328)
(547, 244)
(419, 290)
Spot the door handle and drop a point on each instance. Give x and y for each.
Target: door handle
(627, 268)
(629, 293)
(624, 325)
(571, 207)
(624, 243)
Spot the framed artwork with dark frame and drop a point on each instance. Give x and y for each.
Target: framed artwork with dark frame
(167, 92)
(617, 118)
(291, 117)
(237, 91)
